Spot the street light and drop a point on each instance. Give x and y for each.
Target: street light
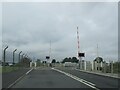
(4, 56)
(19, 55)
(14, 55)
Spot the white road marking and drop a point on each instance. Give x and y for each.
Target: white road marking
(98, 74)
(29, 71)
(19, 78)
(78, 79)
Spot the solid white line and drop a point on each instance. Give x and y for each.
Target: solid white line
(78, 79)
(98, 74)
(29, 71)
(15, 82)
(19, 78)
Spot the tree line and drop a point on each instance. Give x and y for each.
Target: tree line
(70, 59)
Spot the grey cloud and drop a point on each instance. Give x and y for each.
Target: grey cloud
(31, 26)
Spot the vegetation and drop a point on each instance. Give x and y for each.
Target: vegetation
(73, 60)
(8, 69)
(53, 61)
(25, 62)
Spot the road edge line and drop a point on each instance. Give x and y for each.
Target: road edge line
(29, 71)
(77, 78)
(19, 78)
(98, 74)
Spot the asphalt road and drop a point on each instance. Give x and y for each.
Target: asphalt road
(10, 77)
(48, 78)
(99, 80)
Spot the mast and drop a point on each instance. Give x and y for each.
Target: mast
(78, 43)
(97, 51)
(50, 49)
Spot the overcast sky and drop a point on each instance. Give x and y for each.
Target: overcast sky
(31, 26)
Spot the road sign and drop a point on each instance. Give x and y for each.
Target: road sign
(47, 57)
(81, 54)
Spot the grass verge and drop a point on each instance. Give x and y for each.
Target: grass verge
(7, 69)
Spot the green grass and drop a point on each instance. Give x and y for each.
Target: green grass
(8, 69)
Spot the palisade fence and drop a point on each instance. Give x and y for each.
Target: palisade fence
(9, 57)
(22, 61)
(11, 71)
(105, 67)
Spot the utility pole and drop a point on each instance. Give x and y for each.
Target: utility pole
(50, 49)
(49, 55)
(80, 55)
(78, 45)
(97, 57)
(97, 51)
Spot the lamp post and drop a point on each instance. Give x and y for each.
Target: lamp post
(4, 56)
(14, 55)
(19, 55)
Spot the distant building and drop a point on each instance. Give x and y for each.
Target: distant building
(98, 64)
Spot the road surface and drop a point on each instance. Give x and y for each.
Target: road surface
(48, 78)
(99, 80)
(64, 78)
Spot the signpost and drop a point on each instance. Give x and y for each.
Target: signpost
(80, 55)
(47, 57)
